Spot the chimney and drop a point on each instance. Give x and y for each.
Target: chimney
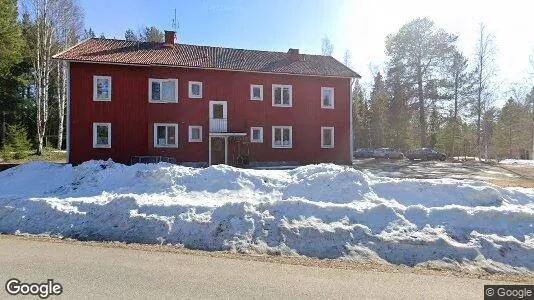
(170, 36)
(293, 54)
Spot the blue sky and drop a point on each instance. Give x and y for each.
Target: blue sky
(358, 25)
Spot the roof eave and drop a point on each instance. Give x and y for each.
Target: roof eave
(354, 75)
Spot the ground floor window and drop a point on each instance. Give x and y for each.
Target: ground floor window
(165, 135)
(195, 134)
(327, 137)
(282, 137)
(256, 134)
(101, 135)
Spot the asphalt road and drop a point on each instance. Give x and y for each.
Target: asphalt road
(88, 271)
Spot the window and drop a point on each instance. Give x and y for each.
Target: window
(195, 89)
(195, 134)
(282, 136)
(162, 90)
(256, 134)
(165, 135)
(101, 135)
(256, 92)
(101, 88)
(327, 137)
(282, 95)
(327, 97)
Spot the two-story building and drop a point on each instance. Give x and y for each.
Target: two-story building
(200, 104)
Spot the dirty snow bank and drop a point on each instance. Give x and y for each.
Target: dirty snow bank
(324, 211)
(522, 162)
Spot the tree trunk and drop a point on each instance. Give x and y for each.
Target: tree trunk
(3, 129)
(422, 118)
(455, 116)
(61, 92)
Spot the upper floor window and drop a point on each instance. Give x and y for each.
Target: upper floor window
(162, 90)
(282, 137)
(256, 134)
(165, 135)
(195, 134)
(327, 137)
(282, 95)
(101, 88)
(195, 89)
(327, 97)
(256, 92)
(101, 135)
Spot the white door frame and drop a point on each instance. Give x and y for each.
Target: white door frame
(225, 113)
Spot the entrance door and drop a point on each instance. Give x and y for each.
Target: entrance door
(218, 116)
(218, 149)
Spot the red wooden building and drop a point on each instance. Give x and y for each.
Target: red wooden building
(207, 105)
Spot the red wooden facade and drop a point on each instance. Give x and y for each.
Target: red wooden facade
(132, 117)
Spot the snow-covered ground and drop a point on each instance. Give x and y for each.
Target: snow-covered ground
(522, 162)
(324, 211)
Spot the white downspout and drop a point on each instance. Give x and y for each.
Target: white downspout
(351, 141)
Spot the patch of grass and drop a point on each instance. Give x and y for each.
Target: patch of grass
(49, 154)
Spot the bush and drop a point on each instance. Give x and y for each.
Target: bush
(17, 145)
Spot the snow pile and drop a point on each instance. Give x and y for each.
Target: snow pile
(522, 162)
(324, 211)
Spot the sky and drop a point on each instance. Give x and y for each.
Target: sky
(361, 26)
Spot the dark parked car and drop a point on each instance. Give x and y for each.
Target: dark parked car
(364, 153)
(426, 154)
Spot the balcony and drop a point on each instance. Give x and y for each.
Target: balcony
(218, 125)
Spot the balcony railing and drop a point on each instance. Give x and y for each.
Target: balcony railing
(218, 125)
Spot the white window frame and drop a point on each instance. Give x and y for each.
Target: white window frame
(191, 139)
(160, 81)
(252, 140)
(252, 87)
(95, 79)
(95, 137)
(333, 97)
(332, 135)
(156, 125)
(274, 128)
(282, 86)
(191, 95)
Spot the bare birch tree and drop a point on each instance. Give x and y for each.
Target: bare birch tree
(484, 73)
(67, 35)
(51, 18)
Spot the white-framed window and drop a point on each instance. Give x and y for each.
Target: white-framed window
(327, 137)
(101, 135)
(162, 90)
(101, 88)
(195, 89)
(165, 135)
(195, 134)
(256, 92)
(282, 95)
(282, 137)
(327, 97)
(256, 134)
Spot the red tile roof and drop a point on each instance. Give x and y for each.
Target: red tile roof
(204, 57)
